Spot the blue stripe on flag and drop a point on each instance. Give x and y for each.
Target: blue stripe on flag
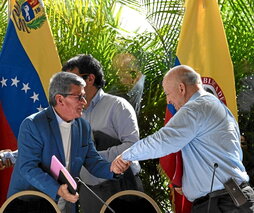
(171, 109)
(177, 62)
(21, 92)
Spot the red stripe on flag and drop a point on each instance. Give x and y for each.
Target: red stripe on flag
(7, 141)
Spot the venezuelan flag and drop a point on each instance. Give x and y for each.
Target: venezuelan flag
(203, 46)
(27, 61)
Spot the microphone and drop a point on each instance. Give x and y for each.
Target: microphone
(102, 201)
(215, 166)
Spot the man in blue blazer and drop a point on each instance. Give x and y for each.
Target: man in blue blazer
(57, 130)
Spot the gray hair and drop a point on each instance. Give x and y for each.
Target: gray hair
(186, 74)
(60, 83)
(190, 78)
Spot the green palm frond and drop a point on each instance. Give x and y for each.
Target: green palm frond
(238, 18)
(3, 20)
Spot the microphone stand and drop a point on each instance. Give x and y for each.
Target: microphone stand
(209, 202)
(102, 201)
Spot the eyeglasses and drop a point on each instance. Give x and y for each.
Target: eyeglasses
(79, 97)
(84, 76)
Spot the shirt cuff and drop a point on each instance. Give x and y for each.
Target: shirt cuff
(126, 155)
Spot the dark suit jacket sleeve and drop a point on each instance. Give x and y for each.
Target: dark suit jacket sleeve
(31, 150)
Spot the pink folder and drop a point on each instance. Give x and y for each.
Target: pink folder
(56, 166)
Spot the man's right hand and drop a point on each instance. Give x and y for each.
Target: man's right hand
(65, 194)
(119, 165)
(2, 166)
(5, 163)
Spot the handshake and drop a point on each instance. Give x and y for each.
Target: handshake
(119, 166)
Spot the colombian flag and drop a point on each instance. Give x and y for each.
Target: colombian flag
(27, 61)
(203, 46)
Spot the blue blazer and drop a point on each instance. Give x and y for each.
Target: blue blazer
(40, 138)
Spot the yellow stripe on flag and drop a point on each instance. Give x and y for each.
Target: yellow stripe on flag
(34, 33)
(203, 46)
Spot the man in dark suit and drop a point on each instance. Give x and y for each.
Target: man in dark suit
(57, 130)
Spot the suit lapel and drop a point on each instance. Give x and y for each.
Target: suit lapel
(54, 128)
(75, 141)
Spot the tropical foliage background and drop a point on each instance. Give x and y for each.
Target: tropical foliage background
(94, 27)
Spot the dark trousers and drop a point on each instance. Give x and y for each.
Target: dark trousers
(224, 203)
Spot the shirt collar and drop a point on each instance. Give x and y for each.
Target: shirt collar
(60, 120)
(197, 94)
(99, 95)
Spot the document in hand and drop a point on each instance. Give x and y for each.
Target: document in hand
(61, 174)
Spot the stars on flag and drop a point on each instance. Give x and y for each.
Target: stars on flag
(40, 108)
(3, 82)
(35, 97)
(25, 87)
(15, 82)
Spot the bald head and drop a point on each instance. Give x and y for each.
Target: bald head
(184, 74)
(180, 83)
